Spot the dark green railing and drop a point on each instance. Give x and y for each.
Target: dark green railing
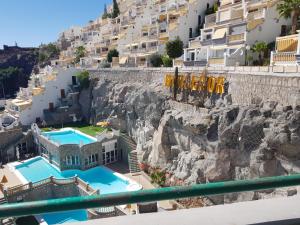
(65, 204)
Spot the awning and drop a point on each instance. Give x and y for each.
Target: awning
(162, 17)
(114, 37)
(123, 60)
(226, 2)
(220, 33)
(98, 58)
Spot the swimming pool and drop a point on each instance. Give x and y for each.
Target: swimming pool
(68, 136)
(100, 178)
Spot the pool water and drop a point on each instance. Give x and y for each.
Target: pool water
(68, 137)
(99, 178)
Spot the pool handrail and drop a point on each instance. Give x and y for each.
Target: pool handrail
(168, 193)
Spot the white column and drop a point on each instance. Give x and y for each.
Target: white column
(185, 54)
(298, 47)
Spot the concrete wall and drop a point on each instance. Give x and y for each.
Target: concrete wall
(50, 191)
(245, 83)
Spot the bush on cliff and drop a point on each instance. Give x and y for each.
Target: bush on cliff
(156, 60)
(47, 53)
(158, 177)
(84, 79)
(112, 53)
(167, 61)
(79, 53)
(174, 49)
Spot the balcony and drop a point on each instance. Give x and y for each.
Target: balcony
(229, 15)
(270, 211)
(38, 91)
(284, 58)
(195, 44)
(216, 61)
(200, 63)
(287, 43)
(210, 20)
(232, 39)
(286, 51)
(259, 14)
(163, 37)
(173, 25)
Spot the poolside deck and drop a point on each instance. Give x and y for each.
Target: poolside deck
(141, 178)
(13, 180)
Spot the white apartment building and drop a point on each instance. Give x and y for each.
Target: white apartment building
(142, 29)
(45, 91)
(228, 34)
(157, 22)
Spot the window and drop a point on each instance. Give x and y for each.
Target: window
(69, 160)
(77, 162)
(116, 145)
(103, 159)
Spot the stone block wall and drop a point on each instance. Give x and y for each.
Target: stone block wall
(50, 191)
(245, 88)
(245, 83)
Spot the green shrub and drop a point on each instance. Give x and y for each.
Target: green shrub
(167, 61)
(112, 53)
(158, 177)
(174, 49)
(84, 79)
(79, 53)
(156, 60)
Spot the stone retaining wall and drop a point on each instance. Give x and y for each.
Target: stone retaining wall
(246, 84)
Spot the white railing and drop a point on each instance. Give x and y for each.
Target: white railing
(283, 58)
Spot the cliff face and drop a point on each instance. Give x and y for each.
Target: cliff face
(198, 145)
(16, 65)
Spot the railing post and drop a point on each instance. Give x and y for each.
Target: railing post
(30, 185)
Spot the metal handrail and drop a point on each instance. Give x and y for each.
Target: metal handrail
(105, 200)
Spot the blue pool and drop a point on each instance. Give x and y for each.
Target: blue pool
(98, 177)
(69, 136)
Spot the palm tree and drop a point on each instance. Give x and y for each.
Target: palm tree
(260, 48)
(288, 9)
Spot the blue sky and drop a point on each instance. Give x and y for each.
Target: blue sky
(32, 22)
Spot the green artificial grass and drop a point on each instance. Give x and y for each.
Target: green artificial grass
(82, 127)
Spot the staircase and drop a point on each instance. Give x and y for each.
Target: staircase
(132, 155)
(133, 162)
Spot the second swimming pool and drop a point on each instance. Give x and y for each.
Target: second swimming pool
(99, 178)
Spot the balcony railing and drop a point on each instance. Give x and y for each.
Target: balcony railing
(236, 38)
(210, 20)
(287, 43)
(256, 15)
(284, 57)
(106, 200)
(216, 61)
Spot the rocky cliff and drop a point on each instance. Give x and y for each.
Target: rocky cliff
(197, 145)
(16, 65)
